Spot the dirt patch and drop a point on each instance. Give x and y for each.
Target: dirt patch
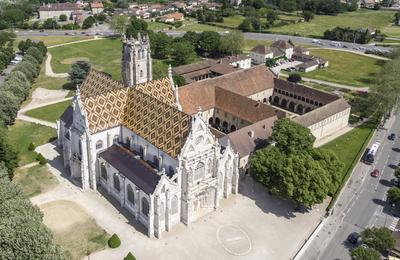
(73, 60)
(74, 230)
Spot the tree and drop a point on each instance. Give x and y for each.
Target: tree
(331, 163)
(22, 232)
(232, 43)
(291, 137)
(88, 22)
(183, 53)
(270, 62)
(308, 15)
(209, 41)
(32, 60)
(26, 68)
(294, 77)
(272, 16)
(245, 25)
(362, 253)
(62, 18)
(380, 238)
(160, 45)
(397, 173)
(179, 80)
(50, 24)
(393, 194)
(36, 53)
(135, 27)
(78, 72)
(114, 241)
(193, 38)
(129, 256)
(119, 24)
(8, 155)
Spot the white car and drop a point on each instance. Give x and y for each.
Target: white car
(316, 41)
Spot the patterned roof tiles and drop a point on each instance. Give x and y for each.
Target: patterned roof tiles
(96, 83)
(140, 110)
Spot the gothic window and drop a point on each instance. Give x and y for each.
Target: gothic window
(103, 171)
(99, 144)
(141, 73)
(116, 182)
(171, 171)
(141, 151)
(128, 142)
(174, 205)
(131, 194)
(145, 207)
(199, 171)
(115, 139)
(79, 147)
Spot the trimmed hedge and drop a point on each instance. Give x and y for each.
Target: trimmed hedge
(114, 241)
(129, 256)
(31, 147)
(41, 159)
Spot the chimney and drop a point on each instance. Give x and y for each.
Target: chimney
(251, 133)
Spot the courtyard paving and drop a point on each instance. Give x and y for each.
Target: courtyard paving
(250, 225)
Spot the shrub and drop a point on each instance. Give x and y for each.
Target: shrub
(114, 241)
(31, 147)
(294, 77)
(40, 158)
(129, 256)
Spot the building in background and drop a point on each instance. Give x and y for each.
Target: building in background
(53, 11)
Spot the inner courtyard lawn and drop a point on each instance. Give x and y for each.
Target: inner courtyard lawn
(35, 180)
(362, 68)
(104, 55)
(49, 113)
(22, 133)
(360, 19)
(74, 230)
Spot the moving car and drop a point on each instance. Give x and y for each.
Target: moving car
(354, 238)
(392, 136)
(375, 173)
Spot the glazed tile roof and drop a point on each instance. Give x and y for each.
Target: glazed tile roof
(138, 109)
(96, 83)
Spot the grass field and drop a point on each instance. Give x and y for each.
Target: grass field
(362, 18)
(104, 55)
(155, 26)
(74, 230)
(35, 180)
(341, 63)
(49, 113)
(232, 21)
(349, 149)
(54, 40)
(197, 27)
(21, 134)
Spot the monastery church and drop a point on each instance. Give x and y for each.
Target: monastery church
(170, 154)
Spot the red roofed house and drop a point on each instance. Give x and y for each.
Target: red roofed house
(55, 10)
(97, 7)
(174, 17)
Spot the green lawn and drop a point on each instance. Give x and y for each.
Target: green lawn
(345, 68)
(104, 55)
(49, 113)
(232, 21)
(35, 180)
(21, 134)
(53, 40)
(155, 26)
(198, 27)
(362, 18)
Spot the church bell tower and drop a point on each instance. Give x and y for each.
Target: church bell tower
(136, 61)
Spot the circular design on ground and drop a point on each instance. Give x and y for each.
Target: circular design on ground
(234, 240)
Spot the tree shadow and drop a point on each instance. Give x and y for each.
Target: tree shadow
(268, 203)
(386, 183)
(393, 166)
(69, 86)
(396, 149)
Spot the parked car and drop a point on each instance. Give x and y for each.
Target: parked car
(375, 173)
(392, 136)
(354, 238)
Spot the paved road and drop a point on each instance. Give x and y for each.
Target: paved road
(362, 203)
(254, 36)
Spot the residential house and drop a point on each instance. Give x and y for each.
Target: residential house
(52, 11)
(172, 18)
(260, 53)
(96, 7)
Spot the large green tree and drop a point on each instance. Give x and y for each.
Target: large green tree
(9, 106)
(232, 43)
(22, 233)
(393, 194)
(362, 253)
(36, 53)
(161, 45)
(291, 137)
(292, 168)
(183, 53)
(119, 23)
(135, 27)
(8, 155)
(78, 72)
(209, 42)
(380, 238)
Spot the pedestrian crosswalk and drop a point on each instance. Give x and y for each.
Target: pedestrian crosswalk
(393, 224)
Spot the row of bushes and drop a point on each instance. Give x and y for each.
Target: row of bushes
(17, 84)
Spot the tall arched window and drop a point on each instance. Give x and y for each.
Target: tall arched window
(99, 144)
(156, 161)
(128, 142)
(103, 171)
(141, 73)
(131, 194)
(115, 139)
(199, 171)
(174, 205)
(116, 182)
(145, 207)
